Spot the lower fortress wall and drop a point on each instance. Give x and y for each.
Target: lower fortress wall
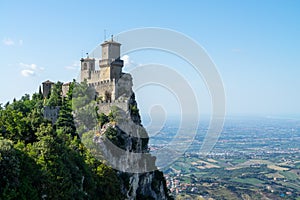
(105, 107)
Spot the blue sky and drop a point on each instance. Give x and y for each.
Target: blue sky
(254, 44)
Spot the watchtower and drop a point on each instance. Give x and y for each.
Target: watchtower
(47, 85)
(110, 64)
(87, 67)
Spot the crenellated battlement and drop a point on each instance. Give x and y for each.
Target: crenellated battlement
(95, 72)
(104, 82)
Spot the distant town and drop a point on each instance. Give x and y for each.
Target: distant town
(253, 159)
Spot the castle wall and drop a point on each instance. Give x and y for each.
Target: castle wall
(85, 74)
(104, 73)
(105, 89)
(95, 76)
(105, 107)
(108, 89)
(51, 113)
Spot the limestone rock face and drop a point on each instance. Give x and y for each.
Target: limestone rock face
(128, 152)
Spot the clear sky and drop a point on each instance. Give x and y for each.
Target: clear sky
(254, 44)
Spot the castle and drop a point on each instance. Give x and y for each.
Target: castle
(109, 81)
(112, 86)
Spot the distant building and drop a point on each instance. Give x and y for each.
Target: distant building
(46, 86)
(51, 113)
(65, 88)
(110, 83)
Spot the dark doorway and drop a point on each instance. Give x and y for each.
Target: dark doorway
(107, 96)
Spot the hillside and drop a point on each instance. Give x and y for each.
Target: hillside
(47, 159)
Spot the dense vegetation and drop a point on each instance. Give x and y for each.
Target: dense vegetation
(41, 160)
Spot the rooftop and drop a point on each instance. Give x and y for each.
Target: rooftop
(47, 81)
(111, 41)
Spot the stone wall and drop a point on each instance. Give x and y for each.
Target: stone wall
(105, 107)
(104, 73)
(105, 89)
(51, 113)
(110, 90)
(95, 76)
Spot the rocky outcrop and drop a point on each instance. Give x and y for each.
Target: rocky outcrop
(119, 139)
(124, 145)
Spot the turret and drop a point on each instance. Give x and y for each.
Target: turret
(47, 85)
(87, 66)
(110, 64)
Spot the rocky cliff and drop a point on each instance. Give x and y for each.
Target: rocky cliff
(127, 150)
(121, 142)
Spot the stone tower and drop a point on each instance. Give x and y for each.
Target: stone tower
(47, 85)
(110, 64)
(107, 82)
(87, 67)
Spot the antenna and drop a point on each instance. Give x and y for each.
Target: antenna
(82, 53)
(104, 34)
(112, 37)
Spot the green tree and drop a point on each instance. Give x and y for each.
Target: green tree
(71, 88)
(113, 114)
(82, 95)
(102, 118)
(20, 176)
(65, 121)
(39, 160)
(19, 120)
(55, 98)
